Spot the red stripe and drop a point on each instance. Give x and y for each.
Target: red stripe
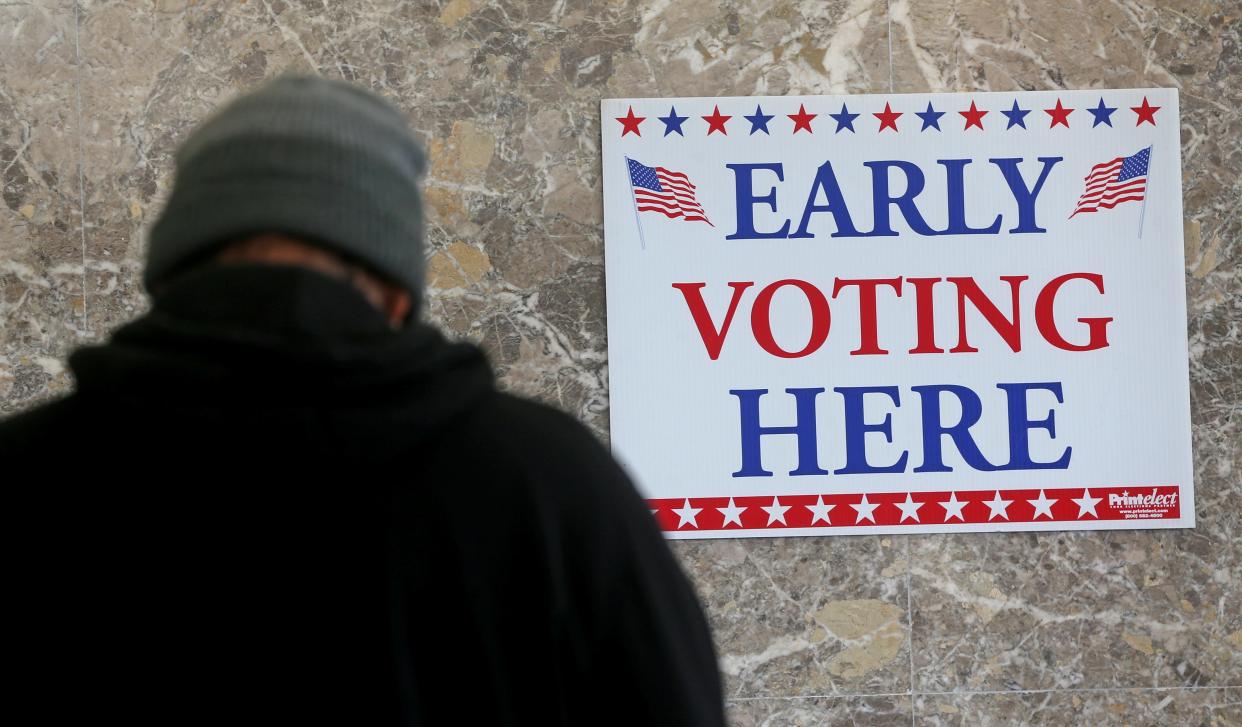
(1102, 504)
(1096, 172)
(676, 200)
(1118, 160)
(662, 170)
(670, 202)
(1101, 165)
(674, 214)
(1108, 205)
(683, 199)
(671, 184)
(664, 202)
(679, 192)
(1115, 185)
(1112, 193)
(1113, 203)
(646, 205)
(1111, 196)
(667, 199)
(673, 176)
(1115, 188)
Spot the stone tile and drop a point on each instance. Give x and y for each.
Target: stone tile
(1215, 707)
(1211, 147)
(1202, 48)
(964, 45)
(41, 304)
(757, 47)
(1057, 610)
(874, 711)
(805, 616)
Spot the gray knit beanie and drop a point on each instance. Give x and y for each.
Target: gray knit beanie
(311, 157)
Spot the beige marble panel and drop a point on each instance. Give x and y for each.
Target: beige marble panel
(806, 616)
(41, 303)
(1133, 708)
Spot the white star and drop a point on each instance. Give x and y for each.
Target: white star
(866, 510)
(909, 509)
(1086, 503)
(819, 511)
(775, 511)
(732, 514)
(688, 515)
(999, 506)
(1042, 505)
(953, 507)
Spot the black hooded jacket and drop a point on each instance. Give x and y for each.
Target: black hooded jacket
(263, 505)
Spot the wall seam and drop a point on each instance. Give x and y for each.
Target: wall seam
(77, 57)
(989, 692)
(888, 27)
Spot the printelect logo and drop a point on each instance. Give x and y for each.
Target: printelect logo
(1155, 499)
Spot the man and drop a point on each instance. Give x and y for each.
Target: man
(278, 497)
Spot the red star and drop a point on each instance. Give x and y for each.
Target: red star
(887, 117)
(802, 120)
(1060, 115)
(716, 122)
(974, 117)
(1146, 112)
(631, 122)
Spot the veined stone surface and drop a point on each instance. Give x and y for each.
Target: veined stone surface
(1108, 628)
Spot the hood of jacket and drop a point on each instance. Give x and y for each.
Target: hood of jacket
(282, 342)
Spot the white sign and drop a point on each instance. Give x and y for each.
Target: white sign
(899, 313)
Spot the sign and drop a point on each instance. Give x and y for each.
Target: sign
(899, 313)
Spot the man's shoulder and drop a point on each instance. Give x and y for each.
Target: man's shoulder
(565, 467)
(554, 456)
(40, 428)
(533, 430)
(517, 409)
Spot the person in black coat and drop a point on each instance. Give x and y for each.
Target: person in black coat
(278, 496)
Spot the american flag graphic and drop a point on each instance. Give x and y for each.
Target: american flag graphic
(1110, 183)
(657, 189)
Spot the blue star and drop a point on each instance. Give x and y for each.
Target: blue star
(930, 117)
(1016, 116)
(845, 120)
(759, 122)
(672, 122)
(1102, 114)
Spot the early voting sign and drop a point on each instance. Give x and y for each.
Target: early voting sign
(899, 313)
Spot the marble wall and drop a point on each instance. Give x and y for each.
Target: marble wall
(1112, 628)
